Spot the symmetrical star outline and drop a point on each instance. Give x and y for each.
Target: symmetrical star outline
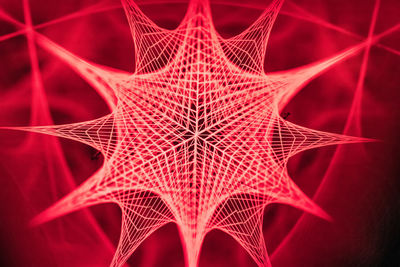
(195, 135)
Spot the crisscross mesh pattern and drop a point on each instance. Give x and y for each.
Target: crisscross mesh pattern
(194, 136)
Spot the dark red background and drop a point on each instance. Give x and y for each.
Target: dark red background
(358, 184)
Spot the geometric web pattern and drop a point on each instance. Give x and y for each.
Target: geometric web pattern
(195, 135)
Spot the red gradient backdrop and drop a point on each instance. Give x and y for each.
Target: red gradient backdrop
(358, 185)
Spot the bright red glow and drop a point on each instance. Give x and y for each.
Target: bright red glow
(194, 136)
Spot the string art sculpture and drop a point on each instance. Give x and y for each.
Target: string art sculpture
(194, 135)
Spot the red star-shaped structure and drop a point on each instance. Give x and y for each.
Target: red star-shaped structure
(194, 136)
